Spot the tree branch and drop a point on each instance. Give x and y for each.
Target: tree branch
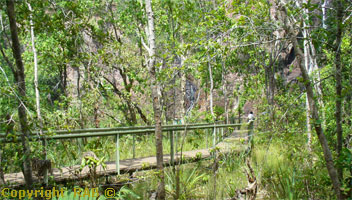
(7, 60)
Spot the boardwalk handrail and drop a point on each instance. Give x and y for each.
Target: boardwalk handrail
(141, 131)
(113, 132)
(2, 135)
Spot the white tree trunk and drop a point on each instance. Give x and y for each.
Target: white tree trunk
(183, 92)
(311, 66)
(324, 9)
(36, 86)
(211, 88)
(317, 86)
(224, 89)
(156, 99)
(308, 68)
(35, 60)
(314, 112)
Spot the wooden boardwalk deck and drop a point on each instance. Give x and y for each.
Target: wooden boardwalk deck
(231, 143)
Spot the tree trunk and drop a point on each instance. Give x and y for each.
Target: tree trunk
(36, 87)
(2, 179)
(311, 66)
(182, 107)
(338, 77)
(307, 61)
(324, 12)
(317, 125)
(224, 89)
(309, 128)
(156, 99)
(213, 119)
(37, 96)
(314, 114)
(127, 99)
(270, 84)
(211, 88)
(308, 68)
(318, 85)
(21, 89)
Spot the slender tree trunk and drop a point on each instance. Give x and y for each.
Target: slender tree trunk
(36, 86)
(224, 89)
(318, 86)
(317, 126)
(156, 99)
(338, 77)
(307, 60)
(127, 99)
(21, 89)
(182, 111)
(311, 66)
(211, 88)
(213, 118)
(270, 84)
(309, 128)
(239, 112)
(307, 66)
(37, 96)
(224, 84)
(324, 11)
(272, 87)
(314, 114)
(2, 179)
(210, 70)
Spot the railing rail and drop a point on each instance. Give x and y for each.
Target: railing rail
(112, 132)
(2, 135)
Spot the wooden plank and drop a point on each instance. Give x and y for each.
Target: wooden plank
(126, 166)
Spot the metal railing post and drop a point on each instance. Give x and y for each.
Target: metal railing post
(46, 177)
(134, 146)
(239, 122)
(172, 147)
(206, 137)
(222, 133)
(250, 131)
(117, 154)
(176, 137)
(214, 136)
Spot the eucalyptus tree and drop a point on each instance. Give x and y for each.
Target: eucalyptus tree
(20, 82)
(314, 107)
(155, 87)
(338, 77)
(290, 20)
(122, 53)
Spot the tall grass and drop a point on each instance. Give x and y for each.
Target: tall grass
(285, 172)
(190, 179)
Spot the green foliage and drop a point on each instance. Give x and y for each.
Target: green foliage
(92, 162)
(288, 172)
(189, 182)
(126, 193)
(92, 73)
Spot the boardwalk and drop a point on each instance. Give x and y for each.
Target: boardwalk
(231, 143)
